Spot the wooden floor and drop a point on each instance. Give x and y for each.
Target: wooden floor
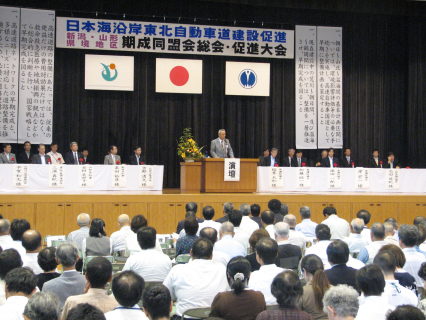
(56, 213)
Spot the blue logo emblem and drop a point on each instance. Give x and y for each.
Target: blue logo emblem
(247, 78)
(106, 73)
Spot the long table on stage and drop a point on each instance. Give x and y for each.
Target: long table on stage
(411, 181)
(39, 179)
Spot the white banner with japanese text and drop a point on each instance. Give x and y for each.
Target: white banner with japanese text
(119, 174)
(121, 35)
(334, 180)
(303, 177)
(21, 176)
(146, 176)
(231, 169)
(392, 178)
(362, 178)
(85, 176)
(56, 176)
(276, 177)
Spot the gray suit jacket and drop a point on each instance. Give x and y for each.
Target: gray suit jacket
(217, 151)
(37, 159)
(68, 284)
(3, 158)
(108, 159)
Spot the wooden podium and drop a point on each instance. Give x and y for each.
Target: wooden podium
(212, 176)
(190, 177)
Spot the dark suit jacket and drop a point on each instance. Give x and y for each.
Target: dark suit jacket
(341, 274)
(345, 164)
(395, 164)
(223, 219)
(326, 162)
(133, 160)
(261, 161)
(371, 163)
(267, 161)
(69, 158)
(254, 265)
(258, 220)
(88, 160)
(279, 217)
(22, 157)
(37, 159)
(180, 224)
(286, 162)
(288, 256)
(302, 160)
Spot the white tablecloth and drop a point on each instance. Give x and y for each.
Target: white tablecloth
(39, 179)
(411, 181)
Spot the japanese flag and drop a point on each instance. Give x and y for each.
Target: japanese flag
(247, 79)
(179, 76)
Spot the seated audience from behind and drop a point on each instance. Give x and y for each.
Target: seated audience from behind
(47, 261)
(6, 241)
(371, 282)
(20, 285)
(227, 243)
(189, 207)
(9, 260)
(287, 290)
(127, 288)
(71, 282)
(247, 224)
(422, 274)
(316, 286)
(208, 214)
(307, 226)
(132, 244)
(240, 235)
(366, 217)
(396, 294)
(85, 311)
(149, 263)
(188, 214)
(395, 226)
(77, 236)
(295, 237)
(227, 209)
(184, 244)
(42, 306)
(17, 229)
(283, 209)
(339, 228)
(390, 234)
(97, 243)
(238, 303)
(195, 284)
(323, 236)
(157, 302)
(406, 312)
(118, 238)
(31, 241)
(368, 253)
(255, 214)
(275, 206)
(355, 240)
(268, 221)
(340, 273)
(254, 239)
(341, 303)
(218, 256)
(260, 280)
(289, 255)
(98, 274)
(421, 227)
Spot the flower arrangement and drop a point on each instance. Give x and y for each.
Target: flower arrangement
(187, 147)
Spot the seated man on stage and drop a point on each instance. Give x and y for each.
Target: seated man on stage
(6, 156)
(290, 161)
(55, 156)
(347, 159)
(374, 161)
(136, 159)
(41, 157)
(392, 163)
(220, 147)
(324, 154)
(73, 156)
(330, 161)
(86, 159)
(262, 158)
(112, 157)
(300, 159)
(272, 160)
(26, 156)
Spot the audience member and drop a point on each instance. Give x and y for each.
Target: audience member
(395, 226)
(339, 228)
(184, 244)
(85, 311)
(77, 236)
(260, 280)
(42, 306)
(127, 288)
(190, 206)
(6, 241)
(132, 244)
(254, 239)
(247, 224)
(157, 303)
(150, 264)
(227, 209)
(71, 282)
(390, 234)
(208, 214)
(287, 290)
(365, 216)
(341, 303)
(98, 274)
(238, 303)
(323, 236)
(275, 206)
(338, 256)
(227, 243)
(268, 221)
(283, 209)
(422, 274)
(355, 240)
(289, 255)
(368, 253)
(421, 227)
(218, 256)
(47, 261)
(97, 243)
(295, 237)
(9, 260)
(316, 286)
(255, 214)
(240, 235)
(189, 214)
(371, 283)
(307, 226)
(406, 312)
(118, 238)
(31, 241)
(17, 229)
(195, 284)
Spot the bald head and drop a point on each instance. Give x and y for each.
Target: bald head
(227, 228)
(357, 225)
(83, 220)
(124, 220)
(290, 219)
(31, 241)
(4, 227)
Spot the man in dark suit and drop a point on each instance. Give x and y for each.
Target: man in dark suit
(347, 159)
(392, 163)
(255, 214)
(324, 154)
(262, 158)
(289, 255)
(330, 161)
(290, 161)
(136, 159)
(86, 158)
(26, 156)
(272, 160)
(374, 161)
(73, 156)
(227, 209)
(340, 273)
(300, 159)
(41, 157)
(191, 211)
(275, 206)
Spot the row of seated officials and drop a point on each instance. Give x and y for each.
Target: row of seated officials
(293, 270)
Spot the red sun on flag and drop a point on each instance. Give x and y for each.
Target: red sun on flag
(179, 76)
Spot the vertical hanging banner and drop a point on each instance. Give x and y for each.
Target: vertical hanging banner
(392, 179)
(362, 179)
(276, 177)
(146, 176)
(334, 180)
(9, 73)
(56, 176)
(37, 46)
(119, 176)
(330, 92)
(231, 169)
(306, 87)
(303, 177)
(85, 177)
(21, 176)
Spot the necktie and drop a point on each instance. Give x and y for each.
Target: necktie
(137, 160)
(75, 158)
(223, 149)
(391, 165)
(289, 161)
(298, 160)
(377, 162)
(331, 162)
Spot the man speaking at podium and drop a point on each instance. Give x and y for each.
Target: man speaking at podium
(220, 147)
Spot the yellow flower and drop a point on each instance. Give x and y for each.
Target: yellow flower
(183, 154)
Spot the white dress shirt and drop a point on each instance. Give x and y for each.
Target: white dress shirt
(6, 242)
(242, 237)
(413, 261)
(307, 227)
(271, 230)
(150, 264)
(319, 249)
(132, 245)
(77, 237)
(355, 242)
(196, 283)
(13, 308)
(30, 260)
(366, 233)
(207, 223)
(19, 247)
(261, 280)
(398, 295)
(373, 308)
(230, 246)
(353, 263)
(43, 159)
(392, 240)
(248, 225)
(339, 228)
(122, 313)
(297, 238)
(118, 239)
(2, 292)
(221, 257)
(55, 157)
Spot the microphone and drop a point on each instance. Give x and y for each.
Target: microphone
(226, 146)
(117, 162)
(81, 160)
(335, 165)
(381, 164)
(303, 164)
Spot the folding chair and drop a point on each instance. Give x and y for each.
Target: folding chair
(87, 260)
(183, 258)
(272, 306)
(200, 313)
(47, 240)
(117, 267)
(56, 243)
